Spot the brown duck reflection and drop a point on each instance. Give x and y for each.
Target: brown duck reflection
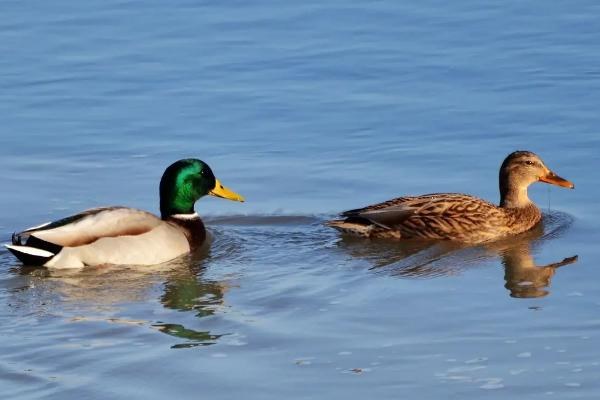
(523, 277)
(426, 259)
(96, 292)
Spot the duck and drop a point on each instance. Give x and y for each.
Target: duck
(119, 235)
(456, 216)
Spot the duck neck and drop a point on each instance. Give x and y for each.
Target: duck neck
(169, 208)
(514, 197)
(512, 194)
(176, 200)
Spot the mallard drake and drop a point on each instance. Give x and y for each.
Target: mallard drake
(458, 217)
(122, 235)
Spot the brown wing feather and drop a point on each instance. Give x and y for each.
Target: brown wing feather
(433, 216)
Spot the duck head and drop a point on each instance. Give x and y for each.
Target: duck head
(186, 181)
(519, 170)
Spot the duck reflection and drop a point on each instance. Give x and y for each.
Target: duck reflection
(426, 259)
(523, 277)
(100, 291)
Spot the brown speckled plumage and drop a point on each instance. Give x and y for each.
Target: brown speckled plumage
(454, 216)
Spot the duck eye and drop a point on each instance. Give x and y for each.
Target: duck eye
(529, 162)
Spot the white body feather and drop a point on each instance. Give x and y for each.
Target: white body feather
(111, 236)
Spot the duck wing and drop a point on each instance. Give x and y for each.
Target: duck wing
(434, 216)
(91, 225)
(37, 245)
(385, 215)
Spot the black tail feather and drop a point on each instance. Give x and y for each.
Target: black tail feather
(38, 243)
(29, 259)
(32, 242)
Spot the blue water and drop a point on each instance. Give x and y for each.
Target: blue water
(306, 109)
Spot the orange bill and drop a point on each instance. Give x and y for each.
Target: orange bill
(554, 179)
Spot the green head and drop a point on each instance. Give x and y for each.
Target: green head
(184, 182)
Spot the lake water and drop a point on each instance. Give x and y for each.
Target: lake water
(307, 109)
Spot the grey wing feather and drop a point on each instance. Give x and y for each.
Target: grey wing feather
(385, 215)
(19, 237)
(389, 216)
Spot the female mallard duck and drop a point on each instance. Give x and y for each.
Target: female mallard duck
(458, 217)
(121, 235)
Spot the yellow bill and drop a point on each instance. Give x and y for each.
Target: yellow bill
(223, 192)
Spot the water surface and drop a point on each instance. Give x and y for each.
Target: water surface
(307, 109)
